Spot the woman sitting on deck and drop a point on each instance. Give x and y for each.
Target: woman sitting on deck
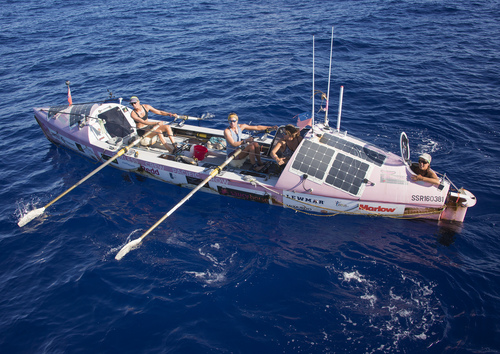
(285, 148)
(140, 116)
(233, 135)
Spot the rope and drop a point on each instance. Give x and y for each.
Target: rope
(254, 182)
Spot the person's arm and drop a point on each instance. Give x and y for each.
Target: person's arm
(257, 127)
(434, 179)
(159, 112)
(274, 152)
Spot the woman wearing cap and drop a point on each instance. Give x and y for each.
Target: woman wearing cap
(140, 115)
(423, 171)
(234, 140)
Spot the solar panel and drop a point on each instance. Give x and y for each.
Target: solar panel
(336, 162)
(354, 149)
(347, 174)
(78, 111)
(313, 159)
(75, 114)
(56, 109)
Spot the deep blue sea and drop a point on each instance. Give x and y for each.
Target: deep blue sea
(223, 275)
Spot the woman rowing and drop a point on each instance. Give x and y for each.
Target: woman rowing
(140, 116)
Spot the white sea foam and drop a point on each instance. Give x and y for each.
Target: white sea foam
(348, 276)
(208, 276)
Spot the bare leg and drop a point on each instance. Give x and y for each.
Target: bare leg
(251, 154)
(257, 153)
(254, 152)
(170, 134)
(166, 129)
(164, 142)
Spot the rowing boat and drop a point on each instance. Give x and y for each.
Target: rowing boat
(330, 173)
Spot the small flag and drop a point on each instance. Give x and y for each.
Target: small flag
(70, 100)
(303, 120)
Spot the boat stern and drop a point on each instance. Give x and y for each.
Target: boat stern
(457, 204)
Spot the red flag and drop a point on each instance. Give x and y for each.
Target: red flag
(70, 100)
(303, 120)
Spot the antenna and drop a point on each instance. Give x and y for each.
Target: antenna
(329, 79)
(340, 107)
(312, 116)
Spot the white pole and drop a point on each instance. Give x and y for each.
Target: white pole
(329, 79)
(312, 116)
(340, 107)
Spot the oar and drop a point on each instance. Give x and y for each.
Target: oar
(37, 212)
(184, 117)
(135, 243)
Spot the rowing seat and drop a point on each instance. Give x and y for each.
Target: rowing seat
(147, 141)
(238, 163)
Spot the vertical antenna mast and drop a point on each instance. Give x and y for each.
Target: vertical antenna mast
(329, 79)
(340, 107)
(312, 116)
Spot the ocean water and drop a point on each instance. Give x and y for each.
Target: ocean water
(223, 275)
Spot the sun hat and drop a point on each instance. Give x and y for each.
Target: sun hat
(425, 157)
(134, 99)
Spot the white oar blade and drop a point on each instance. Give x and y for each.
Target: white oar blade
(127, 248)
(133, 244)
(30, 216)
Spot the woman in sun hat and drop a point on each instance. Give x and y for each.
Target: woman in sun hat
(423, 171)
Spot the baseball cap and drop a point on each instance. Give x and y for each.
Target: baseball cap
(425, 157)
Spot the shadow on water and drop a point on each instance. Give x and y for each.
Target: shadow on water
(447, 232)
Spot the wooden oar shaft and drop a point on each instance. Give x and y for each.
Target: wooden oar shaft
(214, 173)
(114, 157)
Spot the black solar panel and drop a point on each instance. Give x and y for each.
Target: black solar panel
(313, 159)
(334, 167)
(78, 111)
(363, 153)
(56, 109)
(75, 114)
(347, 174)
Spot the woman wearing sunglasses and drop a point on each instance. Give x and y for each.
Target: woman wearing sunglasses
(233, 135)
(140, 116)
(423, 171)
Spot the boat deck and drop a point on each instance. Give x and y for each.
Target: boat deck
(215, 157)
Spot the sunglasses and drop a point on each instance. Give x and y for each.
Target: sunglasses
(132, 103)
(423, 161)
(233, 120)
